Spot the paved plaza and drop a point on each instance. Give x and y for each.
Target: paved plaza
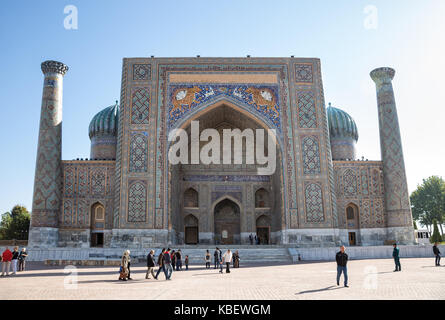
(368, 279)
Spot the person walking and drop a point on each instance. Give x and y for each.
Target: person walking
(227, 259)
(186, 260)
(150, 265)
(6, 261)
(207, 259)
(179, 260)
(168, 264)
(15, 257)
(256, 240)
(342, 259)
(436, 252)
(395, 255)
(22, 257)
(161, 264)
(216, 256)
(251, 239)
(173, 257)
(236, 259)
(125, 264)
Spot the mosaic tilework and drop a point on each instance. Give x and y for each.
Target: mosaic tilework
(138, 152)
(141, 72)
(314, 203)
(236, 195)
(311, 155)
(137, 202)
(303, 73)
(231, 178)
(140, 106)
(262, 99)
(307, 115)
(350, 182)
(91, 182)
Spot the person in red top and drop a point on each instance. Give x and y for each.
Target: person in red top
(6, 261)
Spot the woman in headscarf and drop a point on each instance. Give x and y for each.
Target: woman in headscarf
(125, 265)
(236, 259)
(22, 257)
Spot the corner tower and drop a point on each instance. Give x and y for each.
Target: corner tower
(397, 205)
(48, 175)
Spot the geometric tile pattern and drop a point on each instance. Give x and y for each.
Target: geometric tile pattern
(140, 103)
(262, 100)
(98, 182)
(141, 72)
(138, 152)
(307, 116)
(311, 155)
(137, 198)
(303, 73)
(350, 183)
(314, 203)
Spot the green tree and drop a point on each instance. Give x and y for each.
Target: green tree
(436, 235)
(15, 224)
(428, 201)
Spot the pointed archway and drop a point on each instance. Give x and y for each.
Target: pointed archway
(227, 222)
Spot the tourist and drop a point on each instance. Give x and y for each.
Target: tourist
(161, 264)
(22, 257)
(395, 255)
(125, 266)
(217, 257)
(150, 265)
(236, 259)
(6, 261)
(256, 240)
(186, 260)
(251, 239)
(173, 257)
(168, 264)
(436, 252)
(342, 259)
(15, 257)
(227, 259)
(207, 259)
(178, 260)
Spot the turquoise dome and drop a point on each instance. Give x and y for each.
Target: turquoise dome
(105, 122)
(341, 124)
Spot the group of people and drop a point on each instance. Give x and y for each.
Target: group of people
(342, 259)
(255, 240)
(13, 261)
(170, 260)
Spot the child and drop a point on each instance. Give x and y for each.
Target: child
(186, 262)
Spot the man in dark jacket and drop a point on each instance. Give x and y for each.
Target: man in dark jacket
(150, 265)
(168, 264)
(161, 264)
(395, 255)
(436, 252)
(217, 257)
(342, 259)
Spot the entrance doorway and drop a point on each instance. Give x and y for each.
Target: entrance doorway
(352, 239)
(227, 222)
(263, 229)
(191, 229)
(97, 239)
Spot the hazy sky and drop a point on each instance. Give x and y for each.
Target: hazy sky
(409, 37)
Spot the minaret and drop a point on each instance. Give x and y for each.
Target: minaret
(47, 195)
(397, 204)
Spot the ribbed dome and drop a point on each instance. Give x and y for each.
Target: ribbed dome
(105, 122)
(341, 124)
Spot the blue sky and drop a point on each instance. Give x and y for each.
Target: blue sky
(409, 37)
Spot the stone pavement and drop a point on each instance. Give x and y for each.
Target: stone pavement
(368, 279)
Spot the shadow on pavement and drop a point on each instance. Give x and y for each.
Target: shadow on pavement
(319, 290)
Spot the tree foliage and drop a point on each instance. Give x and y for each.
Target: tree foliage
(15, 224)
(428, 201)
(436, 235)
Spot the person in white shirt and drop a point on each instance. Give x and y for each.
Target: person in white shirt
(227, 259)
